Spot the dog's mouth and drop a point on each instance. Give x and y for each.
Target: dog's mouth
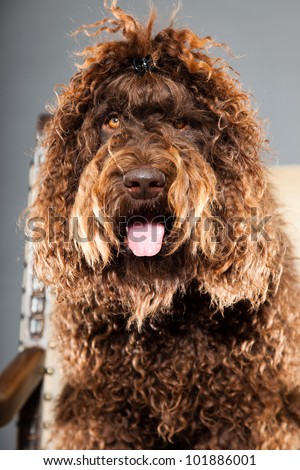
(145, 234)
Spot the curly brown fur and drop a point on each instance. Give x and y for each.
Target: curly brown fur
(195, 347)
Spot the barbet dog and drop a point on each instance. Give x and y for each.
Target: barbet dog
(178, 305)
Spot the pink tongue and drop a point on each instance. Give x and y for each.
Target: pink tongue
(145, 238)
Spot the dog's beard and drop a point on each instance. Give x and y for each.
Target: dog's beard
(146, 286)
(145, 270)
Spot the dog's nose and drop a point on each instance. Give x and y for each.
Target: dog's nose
(144, 183)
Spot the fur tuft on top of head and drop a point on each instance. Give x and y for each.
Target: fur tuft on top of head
(138, 40)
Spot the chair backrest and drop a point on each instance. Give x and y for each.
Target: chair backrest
(286, 182)
(36, 330)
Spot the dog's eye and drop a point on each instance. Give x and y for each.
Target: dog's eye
(180, 124)
(113, 122)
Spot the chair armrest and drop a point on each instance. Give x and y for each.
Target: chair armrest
(19, 380)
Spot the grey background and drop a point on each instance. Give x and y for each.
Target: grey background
(35, 55)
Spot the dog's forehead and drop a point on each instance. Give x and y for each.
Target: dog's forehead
(151, 92)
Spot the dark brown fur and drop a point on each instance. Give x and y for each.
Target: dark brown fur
(195, 348)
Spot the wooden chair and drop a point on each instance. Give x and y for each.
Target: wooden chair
(30, 383)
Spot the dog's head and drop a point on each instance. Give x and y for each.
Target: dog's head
(152, 173)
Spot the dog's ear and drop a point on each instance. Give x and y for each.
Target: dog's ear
(242, 245)
(47, 225)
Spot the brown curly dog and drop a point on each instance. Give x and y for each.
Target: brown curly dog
(178, 305)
